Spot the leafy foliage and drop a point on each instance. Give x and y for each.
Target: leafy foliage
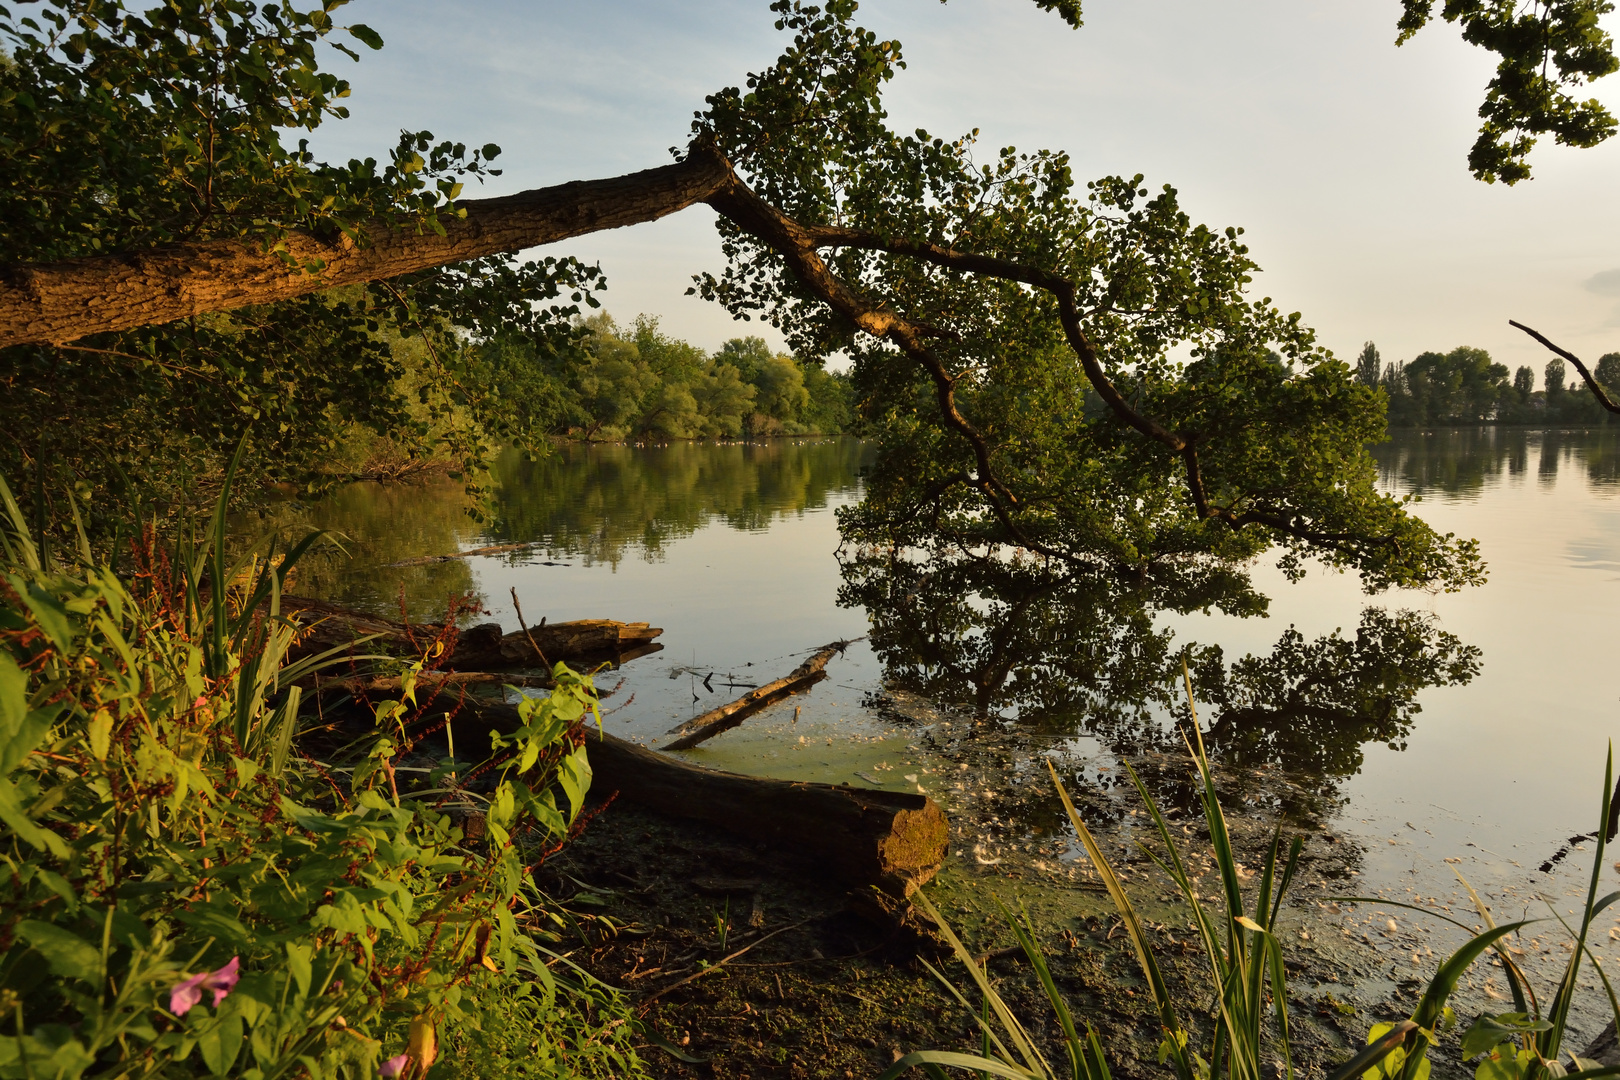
(640, 383)
(157, 827)
(123, 129)
(1464, 386)
(994, 431)
(1549, 50)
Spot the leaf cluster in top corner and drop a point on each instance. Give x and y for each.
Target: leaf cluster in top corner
(1548, 50)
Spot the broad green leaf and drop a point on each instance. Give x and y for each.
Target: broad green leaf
(52, 617)
(1488, 1031)
(298, 964)
(13, 814)
(69, 955)
(99, 731)
(574, 774)
(366, 36)
(13, 697)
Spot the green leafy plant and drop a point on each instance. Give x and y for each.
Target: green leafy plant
(184, 895)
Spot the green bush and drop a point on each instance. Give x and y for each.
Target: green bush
(184, 893)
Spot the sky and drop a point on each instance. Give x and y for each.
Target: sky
(1343, 157)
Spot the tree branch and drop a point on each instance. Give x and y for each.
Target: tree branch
(1591, 382)
(52, 303)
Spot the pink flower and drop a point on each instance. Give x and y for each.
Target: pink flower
(187, 994)
(394, 1065)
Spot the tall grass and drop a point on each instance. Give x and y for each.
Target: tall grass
(1247, 980)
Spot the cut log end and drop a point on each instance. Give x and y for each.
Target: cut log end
(893, 841)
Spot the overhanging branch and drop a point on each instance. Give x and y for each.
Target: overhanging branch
(52, 303)
(1591, 381)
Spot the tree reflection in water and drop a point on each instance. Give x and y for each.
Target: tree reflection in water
(1054, 655)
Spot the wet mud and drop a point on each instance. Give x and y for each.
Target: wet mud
(826, 989)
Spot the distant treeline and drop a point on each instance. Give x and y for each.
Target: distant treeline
(639, 383)
(1464, 386)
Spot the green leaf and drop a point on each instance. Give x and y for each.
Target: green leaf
(956, 1061)
(26, 739)
(1489, 1031)
(366, 36)
(13, 697)
(52, 617)
(298, 965)
(220, 1040)
(1498, 1067)
(99, 732)
(14, 815)
(69, 955)
(574, 774)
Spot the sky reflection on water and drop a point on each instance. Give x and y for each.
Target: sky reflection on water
(1481, 717)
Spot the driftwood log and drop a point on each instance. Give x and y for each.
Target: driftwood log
(492, 549)
(435, 682)
(478, 648)
(892, 840)
(702, 728)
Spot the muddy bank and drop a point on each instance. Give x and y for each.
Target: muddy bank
(828, 991)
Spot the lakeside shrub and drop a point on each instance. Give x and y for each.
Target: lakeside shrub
(182, 893)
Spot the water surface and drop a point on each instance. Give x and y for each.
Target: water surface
(1469, 725)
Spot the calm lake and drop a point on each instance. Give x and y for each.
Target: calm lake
(1468, 726)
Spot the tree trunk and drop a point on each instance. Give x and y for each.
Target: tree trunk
(51, 303)
(892, 840)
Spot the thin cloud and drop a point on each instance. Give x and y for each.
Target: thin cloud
(1605, 283)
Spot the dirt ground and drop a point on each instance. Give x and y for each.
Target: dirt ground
(822, 989)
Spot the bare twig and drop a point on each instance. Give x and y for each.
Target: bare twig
(519, 608)
(724, 960)
(1591, 381)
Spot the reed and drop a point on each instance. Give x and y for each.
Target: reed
(1247, 980)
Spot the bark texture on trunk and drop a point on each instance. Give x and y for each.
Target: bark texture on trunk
(52, 303)
(892, 840)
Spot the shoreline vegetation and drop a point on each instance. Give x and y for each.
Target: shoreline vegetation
(1465, 386)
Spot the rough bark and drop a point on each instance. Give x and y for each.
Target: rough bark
(703, 728)
(892, 840)
(52, 303)
(477, 648)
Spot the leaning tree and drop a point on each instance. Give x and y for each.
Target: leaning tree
(1075, 370)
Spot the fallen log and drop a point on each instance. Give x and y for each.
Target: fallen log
(432, 681)
(889, 839)
(492, 549)
(702, 728)
(477, 648)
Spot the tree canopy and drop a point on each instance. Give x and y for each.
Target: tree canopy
(1075, 370)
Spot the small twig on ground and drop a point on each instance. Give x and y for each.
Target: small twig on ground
(724, 960)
